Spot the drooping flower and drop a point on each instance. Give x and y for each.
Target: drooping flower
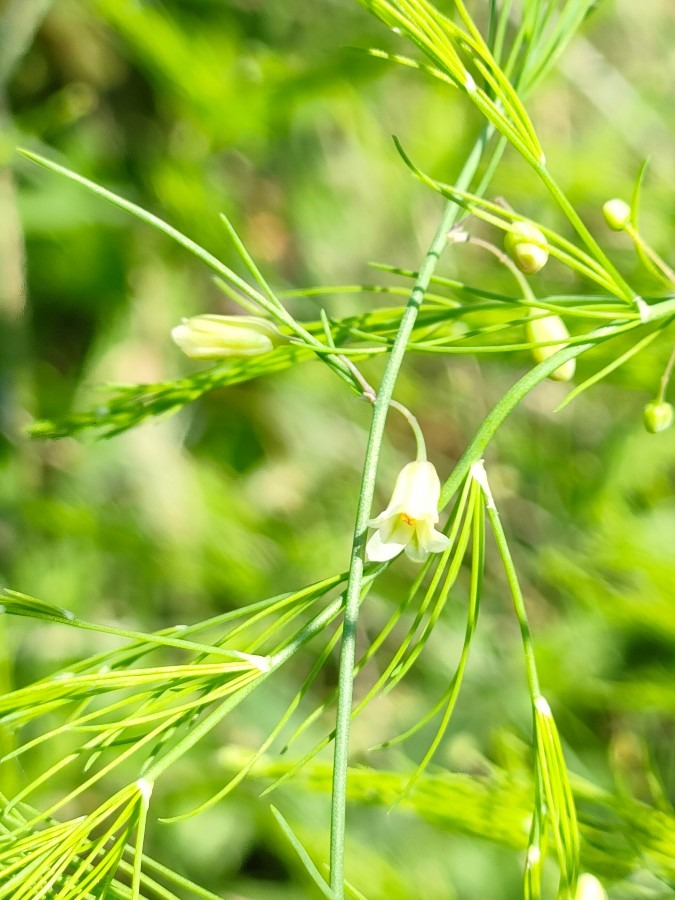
(220, 337)
(408, 522)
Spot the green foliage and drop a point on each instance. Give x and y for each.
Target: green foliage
(618, 834)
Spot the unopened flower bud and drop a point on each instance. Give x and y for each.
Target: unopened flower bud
(220, 337)
(657, 416)
(551, 331)
(527, 247)
(616, 213)
(589, 888)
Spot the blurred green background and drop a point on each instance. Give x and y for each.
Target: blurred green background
(268, 112)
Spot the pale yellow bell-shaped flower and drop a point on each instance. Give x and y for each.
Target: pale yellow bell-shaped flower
(221, 337)
(542, 329)
(408, 522)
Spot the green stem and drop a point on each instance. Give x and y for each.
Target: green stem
(348, 648)
(518, 601)
(415, 425)
(578, 224)
(665, 378)
(642, 246)
(145, 789)
(353, 591)
(499, 413)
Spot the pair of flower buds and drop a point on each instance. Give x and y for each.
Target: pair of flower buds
(526, 245)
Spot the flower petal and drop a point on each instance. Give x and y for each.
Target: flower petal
(383, 517)
(417, 491)
(431, 540)
(397, 530)
(380, 550)
(416, 552)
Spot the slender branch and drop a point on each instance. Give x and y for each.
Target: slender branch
(665, 378)
(353, 592)
(622, 286)
(518, 601)
(415, 426)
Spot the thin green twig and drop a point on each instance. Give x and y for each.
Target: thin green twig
(353, 592)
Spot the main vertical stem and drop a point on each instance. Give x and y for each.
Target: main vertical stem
(353, 591)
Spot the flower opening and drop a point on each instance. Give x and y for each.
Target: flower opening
(408, 522)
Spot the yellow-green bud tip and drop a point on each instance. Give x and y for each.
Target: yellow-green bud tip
(616, 213)
(549, 334)
(657, 416)
(221, 337)
(527, 247)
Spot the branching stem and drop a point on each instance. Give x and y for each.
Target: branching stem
(353, 591)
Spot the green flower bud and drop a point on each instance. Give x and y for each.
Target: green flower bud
(544, 330)
(220, 337)
(657, 416)
(589, 888)
(527, 247)
(616, 213)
